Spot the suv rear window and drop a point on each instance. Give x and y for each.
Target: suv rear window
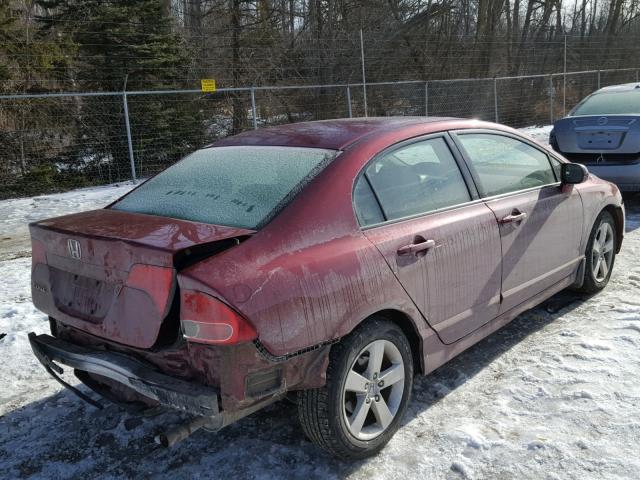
(610, 103)
(240, 186)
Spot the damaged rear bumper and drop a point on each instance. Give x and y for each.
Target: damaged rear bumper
(168, 391)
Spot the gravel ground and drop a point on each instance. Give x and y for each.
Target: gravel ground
(555, 394)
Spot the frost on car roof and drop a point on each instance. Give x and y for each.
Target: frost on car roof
(330, 134)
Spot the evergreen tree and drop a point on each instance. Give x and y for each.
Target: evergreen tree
(132, 42)
(32, 60)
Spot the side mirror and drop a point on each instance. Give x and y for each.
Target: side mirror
(573, 173)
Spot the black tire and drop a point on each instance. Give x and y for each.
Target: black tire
(322, 411)
(593, 284)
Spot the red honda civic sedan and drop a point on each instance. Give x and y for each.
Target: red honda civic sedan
(333, 259)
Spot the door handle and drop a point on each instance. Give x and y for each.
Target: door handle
(514, 217)
(415, 248)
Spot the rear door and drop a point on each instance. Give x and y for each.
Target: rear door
(443, 244)
(540, 221)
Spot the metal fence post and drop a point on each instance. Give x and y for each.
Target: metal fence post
(564, 80)
(495, 99)
(364, 78)
(426, 99)
(349, 102)
(129, 142)
(551, 98)
(253, 108)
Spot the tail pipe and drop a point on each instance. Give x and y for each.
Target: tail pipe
(180, 432)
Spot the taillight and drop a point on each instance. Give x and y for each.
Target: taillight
(205, 319)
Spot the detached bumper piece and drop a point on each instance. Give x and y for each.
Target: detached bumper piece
(169, 391)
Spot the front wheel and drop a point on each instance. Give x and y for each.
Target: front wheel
(369, 381)
(600, 254)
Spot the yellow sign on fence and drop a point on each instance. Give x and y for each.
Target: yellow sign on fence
(208, 85)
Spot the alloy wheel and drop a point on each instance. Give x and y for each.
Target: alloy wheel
(602, 252)
(373, 389)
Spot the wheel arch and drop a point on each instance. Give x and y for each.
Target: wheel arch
(408, 327)
(618, 218)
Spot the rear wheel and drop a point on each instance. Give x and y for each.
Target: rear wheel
(369, 381)
(600, 254)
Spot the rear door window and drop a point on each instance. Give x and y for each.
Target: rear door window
(241, 186)
(414, 179)
(504, 164)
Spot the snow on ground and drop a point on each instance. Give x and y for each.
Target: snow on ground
(553, 395)
(16, 213)
(541, 134)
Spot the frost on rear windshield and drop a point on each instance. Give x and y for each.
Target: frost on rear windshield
(243, 186)
(610, 103)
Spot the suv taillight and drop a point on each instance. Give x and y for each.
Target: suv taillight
(205, 319)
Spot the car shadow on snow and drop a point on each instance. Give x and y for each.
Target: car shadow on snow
(632, 208)
(432, 388)
(61, 436)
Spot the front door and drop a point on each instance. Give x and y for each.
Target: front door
(540, 220)
(443, 246)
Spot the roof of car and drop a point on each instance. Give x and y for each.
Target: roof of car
(624, 87)
(330, 134)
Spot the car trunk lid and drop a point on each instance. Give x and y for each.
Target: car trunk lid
(113, 274)
(599, 136)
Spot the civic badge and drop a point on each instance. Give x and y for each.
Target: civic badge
(73, 247)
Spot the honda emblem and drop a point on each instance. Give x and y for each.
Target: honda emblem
(73, 247)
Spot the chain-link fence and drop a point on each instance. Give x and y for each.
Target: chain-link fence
(53, 142)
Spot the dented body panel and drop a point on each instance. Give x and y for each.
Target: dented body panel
(124, 270)
(224, 368)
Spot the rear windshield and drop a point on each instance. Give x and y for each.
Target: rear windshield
(242, 186)
(610, 103)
